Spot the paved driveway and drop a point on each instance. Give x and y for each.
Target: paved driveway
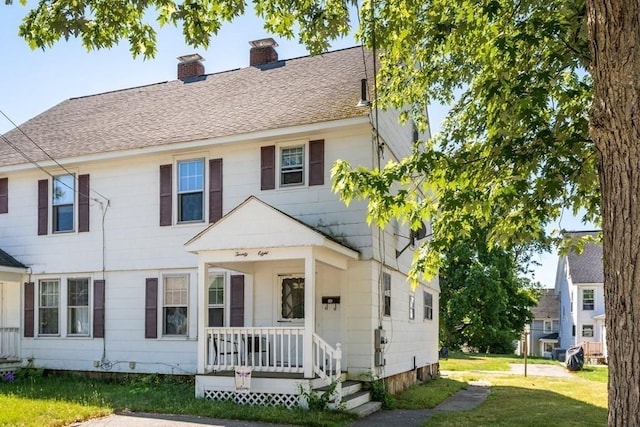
(538, 370)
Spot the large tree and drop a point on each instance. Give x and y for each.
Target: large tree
(485, 296)
(544, 117)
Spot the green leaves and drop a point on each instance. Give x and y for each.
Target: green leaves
(484, 300)
(514, 146)
(103, 24)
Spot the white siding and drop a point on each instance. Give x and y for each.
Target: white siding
(126, 245)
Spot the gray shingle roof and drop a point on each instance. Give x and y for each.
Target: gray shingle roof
(7, 260)
(298, 91)
(586, 267)
(548, 305)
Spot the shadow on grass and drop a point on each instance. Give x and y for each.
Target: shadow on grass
(525, 407)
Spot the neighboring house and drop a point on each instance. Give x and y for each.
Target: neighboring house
(189, 227)
(580, 285)
(542, 336)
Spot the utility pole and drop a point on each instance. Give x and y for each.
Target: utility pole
(526, 347)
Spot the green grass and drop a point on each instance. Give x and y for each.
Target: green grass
(513, 401)
(533, 401)
(458, 361)
(61, 400)
(429, 394)
(594, 373)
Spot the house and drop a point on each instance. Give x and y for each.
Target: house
(541, 334)
(580, 286)
(189, 227)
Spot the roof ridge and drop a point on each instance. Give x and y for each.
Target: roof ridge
(211, 74)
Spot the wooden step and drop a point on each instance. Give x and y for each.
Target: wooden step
(354, 400)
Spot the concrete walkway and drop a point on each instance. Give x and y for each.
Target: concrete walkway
(464, 400)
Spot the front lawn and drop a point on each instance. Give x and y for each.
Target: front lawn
(458, 361)
(514, 400)
(42, 401)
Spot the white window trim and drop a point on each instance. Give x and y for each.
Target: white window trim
(38, 307)
(278, 296)
(424, 315)
(161, 306)
(175, 209)
(383, 290)
(50, 223)
(593, 300)
(89, 306)
(305, 164)
(225, 296)
(63, 307)
(588, 326)
(412, 306)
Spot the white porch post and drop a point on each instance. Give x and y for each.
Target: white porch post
(202, 308)
(309, 311)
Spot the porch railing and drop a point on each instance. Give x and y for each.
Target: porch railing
(327, 364)
(593, 349)
(273, 349)
(9, 343)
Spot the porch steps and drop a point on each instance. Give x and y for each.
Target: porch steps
(354, 399)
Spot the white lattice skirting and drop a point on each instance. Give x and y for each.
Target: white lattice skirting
(289, 401)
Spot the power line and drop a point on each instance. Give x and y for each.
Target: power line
(35, 163)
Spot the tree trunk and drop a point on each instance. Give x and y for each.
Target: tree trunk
(614, 35)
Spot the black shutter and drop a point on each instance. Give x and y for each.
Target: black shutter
(237, 300)
(28, 309)
(165, 195)
(215, 190)
(83, 203)
(98, 308)
(316, 162)
(268, 167)
(4, 195)
(151, 308)
(43, 207)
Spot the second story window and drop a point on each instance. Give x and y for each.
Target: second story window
(62, 203)
(191, 191)
(291, 166)
(428, 305)
(588, 299)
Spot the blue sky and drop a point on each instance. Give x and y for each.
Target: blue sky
(34, 81)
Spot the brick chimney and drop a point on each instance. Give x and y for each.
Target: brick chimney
(190, 66)
(263, 51)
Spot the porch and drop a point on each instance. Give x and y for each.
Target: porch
(9, 344)
(594, 352)
(269, 320)
(274, 360)
(9, 350)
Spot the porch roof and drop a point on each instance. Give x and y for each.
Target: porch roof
(10, 268)
(550, 337)
(254, 225)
